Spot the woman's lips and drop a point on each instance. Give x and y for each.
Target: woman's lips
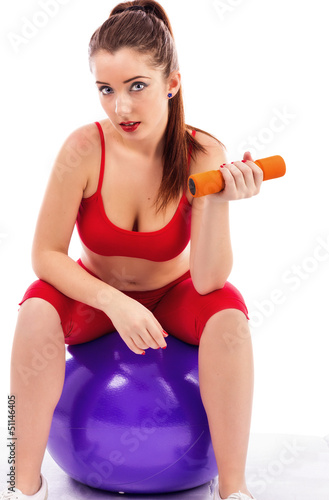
(129, 128)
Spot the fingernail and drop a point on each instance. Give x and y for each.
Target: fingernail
(143, 352)
(165, 347)
(222, 166)
(244, 161)
(166, 334)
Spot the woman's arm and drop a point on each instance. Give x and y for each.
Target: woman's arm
(135, 323)
(57, 218)
(211, 257)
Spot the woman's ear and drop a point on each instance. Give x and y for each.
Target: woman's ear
(174, 82)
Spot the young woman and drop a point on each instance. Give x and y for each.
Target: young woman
(153, 258)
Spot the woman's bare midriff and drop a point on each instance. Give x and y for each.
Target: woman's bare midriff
(129, 273)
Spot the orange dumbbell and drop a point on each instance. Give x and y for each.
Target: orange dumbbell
(212, 181)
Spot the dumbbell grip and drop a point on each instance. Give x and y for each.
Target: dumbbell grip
(212, 181)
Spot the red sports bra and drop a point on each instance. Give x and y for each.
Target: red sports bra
(101, 236)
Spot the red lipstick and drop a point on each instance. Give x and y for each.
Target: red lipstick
(129, 128)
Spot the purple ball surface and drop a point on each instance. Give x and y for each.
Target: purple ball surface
(132, 423)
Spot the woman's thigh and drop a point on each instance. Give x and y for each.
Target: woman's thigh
(80, 322)
(180, 309)
(183, 312)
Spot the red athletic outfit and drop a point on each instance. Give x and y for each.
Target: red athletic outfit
(178, 307)
(104, 238)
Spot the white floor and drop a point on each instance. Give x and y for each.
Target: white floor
(279, 467)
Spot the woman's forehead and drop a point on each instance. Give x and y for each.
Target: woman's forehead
(121, 59)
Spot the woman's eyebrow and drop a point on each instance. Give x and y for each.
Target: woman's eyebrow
(126, 81)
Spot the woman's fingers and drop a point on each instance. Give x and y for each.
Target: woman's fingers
(242, 179)
(137, 325)
(132, 346)
(142, 338)
(257, 173)
(146, 339)
(153, 336)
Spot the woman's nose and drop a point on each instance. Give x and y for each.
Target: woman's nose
(123, 106)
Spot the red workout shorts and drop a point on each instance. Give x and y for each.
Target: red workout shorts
(178, 307)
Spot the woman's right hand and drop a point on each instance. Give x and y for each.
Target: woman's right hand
(136, 324)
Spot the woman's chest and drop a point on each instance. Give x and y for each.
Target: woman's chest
(129, 199)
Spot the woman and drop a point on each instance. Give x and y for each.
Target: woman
(153, 258)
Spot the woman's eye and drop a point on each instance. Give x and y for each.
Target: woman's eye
(104, 90)
(139, 83)
(107, 90)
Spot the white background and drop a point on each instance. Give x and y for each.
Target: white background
(253, 72)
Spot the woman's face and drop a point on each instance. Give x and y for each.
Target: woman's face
(132, 91)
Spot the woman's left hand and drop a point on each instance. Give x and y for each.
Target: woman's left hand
(242, 179)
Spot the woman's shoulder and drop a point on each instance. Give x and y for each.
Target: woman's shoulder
(83, 145)
(205, 138)
(80, 150)
(214, 155)
(85, 138)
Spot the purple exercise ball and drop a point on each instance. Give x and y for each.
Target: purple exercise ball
(132, 423)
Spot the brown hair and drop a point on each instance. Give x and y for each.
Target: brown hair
(149, 32)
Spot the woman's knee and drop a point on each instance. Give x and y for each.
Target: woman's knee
(230, 324)
(37, 317)
(38, 345)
